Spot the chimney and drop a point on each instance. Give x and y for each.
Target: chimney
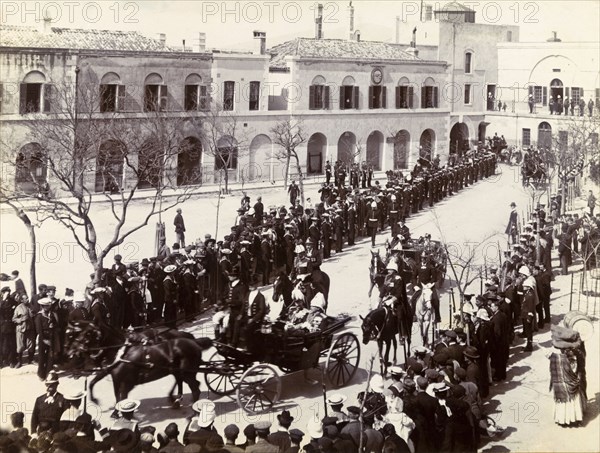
(319, 22)
(554, 38)
(201, 42)
(47, 25)
(413, 43)
(261, 36)
(162, 38)
(397, 29)
(351, 12)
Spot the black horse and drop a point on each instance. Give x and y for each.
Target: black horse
(381, 325)
(283, 287)
(145, 357)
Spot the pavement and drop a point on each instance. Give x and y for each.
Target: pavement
(475, 217)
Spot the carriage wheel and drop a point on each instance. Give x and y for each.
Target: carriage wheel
(342, 359)
(259, 388)
(225, 377)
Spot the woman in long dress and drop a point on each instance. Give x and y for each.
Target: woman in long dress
(567, 381)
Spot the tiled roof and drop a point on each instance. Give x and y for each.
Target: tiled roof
(337, 48)
(73, 38)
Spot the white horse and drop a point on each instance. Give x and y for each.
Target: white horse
(424, 313)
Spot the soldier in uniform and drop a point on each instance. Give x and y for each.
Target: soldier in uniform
(327, 176)
(326, 231)
(46, 326)
(528, 313)
(48, 407)
(338, 228)
(351, 228)
(99, 312)
(79, 312)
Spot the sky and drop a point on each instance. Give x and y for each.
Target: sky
(229, 25)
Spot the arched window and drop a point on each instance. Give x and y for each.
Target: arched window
(109, 166)
(349, 96)
(468, 62)
(429, 94)
(35, 94)
(318, 94)
(404, 94)
(112, 93)
(227, 157)
(31, 170)
(155, 93)
(196, 94)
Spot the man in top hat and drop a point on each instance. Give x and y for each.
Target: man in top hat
(281, 437)
(262, 444)
(512, 228)
(46, 326)
(73, 410)
(48, 407)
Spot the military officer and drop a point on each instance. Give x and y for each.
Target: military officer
(46, 326)
(48, 407)
(351, 228)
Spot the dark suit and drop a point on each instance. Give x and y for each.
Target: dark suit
(499, 346)
(425, 407)
(281, 439)
(47, 412)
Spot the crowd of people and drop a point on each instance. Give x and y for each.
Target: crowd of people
(432, 403)
(180, 282)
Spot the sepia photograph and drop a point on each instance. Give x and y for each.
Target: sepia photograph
(299, 226)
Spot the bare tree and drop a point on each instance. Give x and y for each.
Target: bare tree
(88, 156)
(226, 139)
(289, 134)
(574, 149)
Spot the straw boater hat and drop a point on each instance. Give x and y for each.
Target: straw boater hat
(127, 405)
(170, 268)
(74, 395)
(336, 399)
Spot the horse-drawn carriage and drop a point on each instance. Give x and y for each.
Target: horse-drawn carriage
(253, 378)
(141, 357)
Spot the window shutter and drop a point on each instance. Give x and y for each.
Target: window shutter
(342, 92)
(326, 97)
(355, 97)
(121, 98)
(23, 99)
(370, 97)
(311, 97)
(48, 94)
(580, 92)
(410, 97)
(435, 97)
(384, 97)
(398, 98)
(545, 96)
(163, 97)
(423, 97)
